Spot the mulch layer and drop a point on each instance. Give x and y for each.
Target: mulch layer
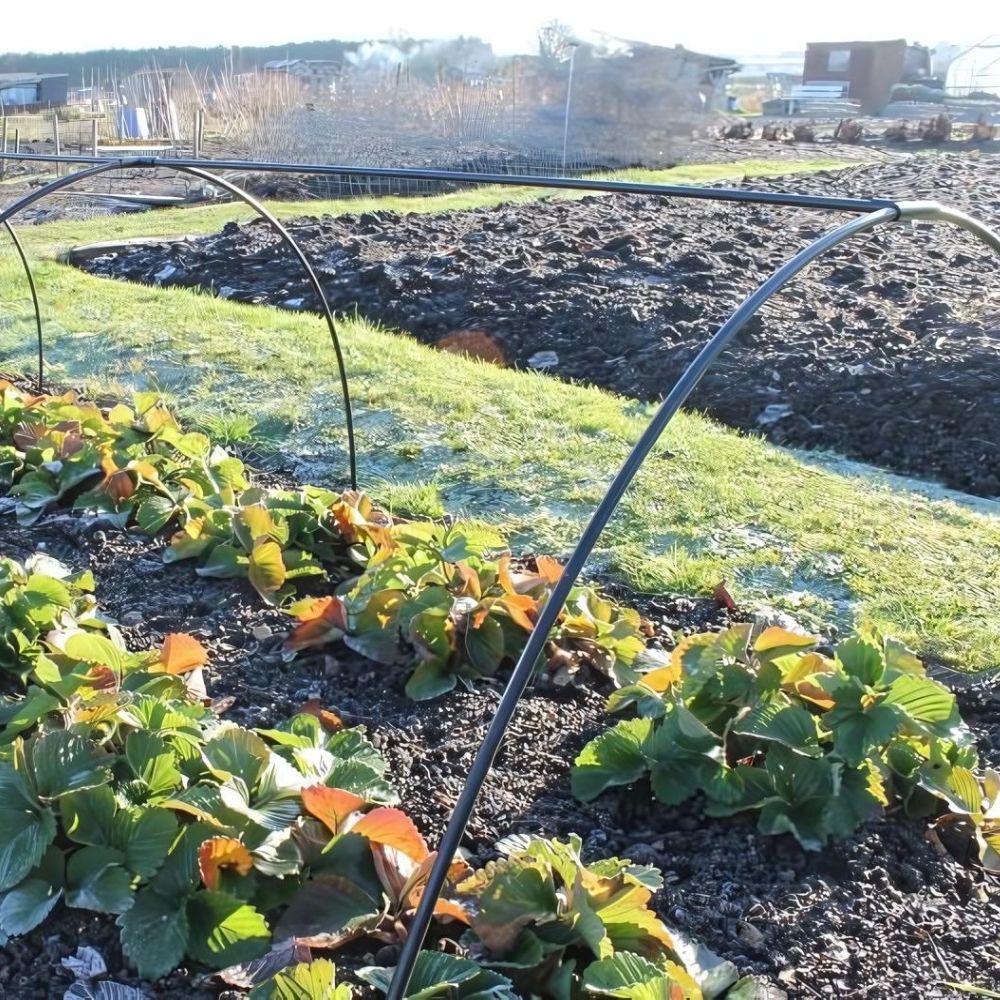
(881, 915)
(887, 350)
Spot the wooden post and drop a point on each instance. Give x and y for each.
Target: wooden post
(55, 139)
(93, 136)
(3, 148)
(194, 136)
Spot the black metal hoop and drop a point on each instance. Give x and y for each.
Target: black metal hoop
(34, 301)
(525, 667)
(61, 182)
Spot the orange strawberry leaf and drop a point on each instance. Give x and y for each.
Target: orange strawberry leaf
(331, 806)
(217, 853)
(393, 828)
(181, 653)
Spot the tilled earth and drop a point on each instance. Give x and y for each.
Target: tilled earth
(882, 915)
(888, 350)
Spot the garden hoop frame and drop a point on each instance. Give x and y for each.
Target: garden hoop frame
(533, 650)
(283, 234)
(878, 212)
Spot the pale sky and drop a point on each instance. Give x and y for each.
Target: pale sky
(725, 27)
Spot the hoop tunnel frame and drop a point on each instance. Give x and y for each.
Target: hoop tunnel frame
(205, 175)
(34, 299)
(887, 212)
(525, 666)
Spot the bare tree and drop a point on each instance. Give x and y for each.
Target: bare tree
(554, 41)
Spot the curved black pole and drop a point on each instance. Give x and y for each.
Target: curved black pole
(509, 180)
(451, 840)
(34, 300)
(283, 234)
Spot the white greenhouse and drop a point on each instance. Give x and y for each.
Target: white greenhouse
(976, 70)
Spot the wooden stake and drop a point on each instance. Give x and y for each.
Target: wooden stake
(3, 148)
(55, 139)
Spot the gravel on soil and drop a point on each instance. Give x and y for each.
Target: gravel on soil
(881, 915)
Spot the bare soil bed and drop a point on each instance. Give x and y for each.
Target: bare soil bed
(879, 916)
(887, 351)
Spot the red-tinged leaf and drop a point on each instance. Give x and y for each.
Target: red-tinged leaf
(521, 609)
(331, 806)
(250, 974)
(70, 444)
(102, 678)
(117, 482)
(28, 435)
(330, 721)
(328, 625)
(217, 853)
(549, 569)
(181, 653)
(723, 598)
(393, 828)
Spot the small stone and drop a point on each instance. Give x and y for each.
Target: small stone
(772, 413)
(543, 360)
(261, 632)
(751, 936)
(132, 618)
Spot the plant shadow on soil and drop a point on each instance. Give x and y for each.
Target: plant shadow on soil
(878, 915)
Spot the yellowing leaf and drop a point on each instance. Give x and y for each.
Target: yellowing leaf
(331, 806)
(267, 569)
(180, 654)
(778, 638)
(663, 678)
(217, 853)
(258, 521)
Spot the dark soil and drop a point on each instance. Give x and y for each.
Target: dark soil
(887, 351)
(881, 915)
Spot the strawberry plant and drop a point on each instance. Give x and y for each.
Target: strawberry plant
(315, 980)
(437, 975)
(552, 924)
(814, 743)
(121, 792)
(133, 464)
(444, 597)
(270, 537)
